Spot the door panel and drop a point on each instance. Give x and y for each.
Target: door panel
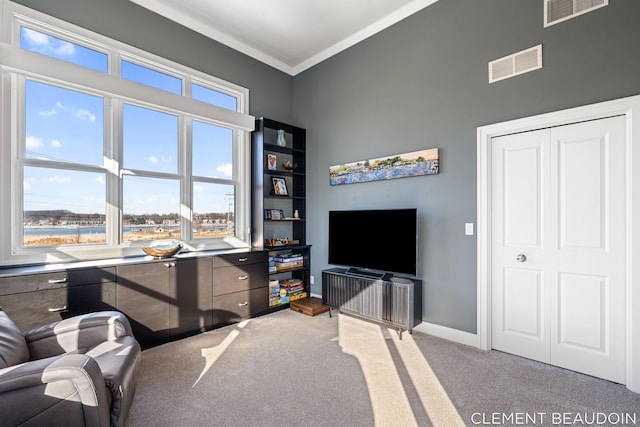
(558, 199)
(523, 195)
(588, 297)
(581, 321)
(519, 302)
(583, 192)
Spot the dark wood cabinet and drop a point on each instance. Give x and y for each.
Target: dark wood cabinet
(166, 298)
(240, 287)
(193, 293)
(145, 294)
(33, 300)
(163, 299)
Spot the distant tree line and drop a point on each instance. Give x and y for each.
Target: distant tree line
(61, 216)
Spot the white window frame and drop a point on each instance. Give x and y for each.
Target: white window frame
(17, 64)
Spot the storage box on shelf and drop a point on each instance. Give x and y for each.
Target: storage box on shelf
(279, 208)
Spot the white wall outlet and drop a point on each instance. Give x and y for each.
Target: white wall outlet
(312, 280)
(468, 229)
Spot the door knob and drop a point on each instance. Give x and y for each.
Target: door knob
(521, 258)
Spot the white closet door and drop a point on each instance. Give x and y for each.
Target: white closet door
(558, 246)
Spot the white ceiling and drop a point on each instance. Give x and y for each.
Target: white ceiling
(290, 35)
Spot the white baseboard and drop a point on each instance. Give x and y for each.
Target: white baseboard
(450, 334)
(315, 295)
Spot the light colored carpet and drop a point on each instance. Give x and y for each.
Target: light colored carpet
(288, 369)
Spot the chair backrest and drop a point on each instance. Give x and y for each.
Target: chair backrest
(13, 347)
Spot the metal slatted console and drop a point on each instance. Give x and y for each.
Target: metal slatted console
(394, 301)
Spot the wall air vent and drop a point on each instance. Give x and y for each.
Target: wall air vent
(560, 10)
(514, 64)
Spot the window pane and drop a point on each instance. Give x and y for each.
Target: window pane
(150, 140)
(54, 47)
(212, 151)
(213, 210)
(151, 208)
(63, 207)
(150, 77)
(214, 97)
(63, 125)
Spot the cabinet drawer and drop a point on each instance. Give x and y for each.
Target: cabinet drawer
(33, 309)
(240, 259)
(234, 279)
(63, 278)
(237, 306)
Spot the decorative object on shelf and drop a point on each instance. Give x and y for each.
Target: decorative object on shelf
(272, 162)
(415, 163)
(296, 214)
(277, 214)
(277, 241)
(162, 248)
(281, 141)
(288, 165)
(279, 186)
(267, 213)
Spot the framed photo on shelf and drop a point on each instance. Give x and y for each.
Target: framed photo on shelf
(267, 213)
(277, 214)
(279, 186)
(272, 162)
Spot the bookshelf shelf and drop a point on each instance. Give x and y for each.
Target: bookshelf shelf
(271, 159)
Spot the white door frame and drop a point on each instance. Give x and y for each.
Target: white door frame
(628, 107)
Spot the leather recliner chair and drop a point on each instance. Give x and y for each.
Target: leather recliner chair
(80, 371)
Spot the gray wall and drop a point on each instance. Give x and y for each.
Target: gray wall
(423, 83)
(270, 91)
(419, 84)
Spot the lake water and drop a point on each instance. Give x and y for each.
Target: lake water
(64, 231)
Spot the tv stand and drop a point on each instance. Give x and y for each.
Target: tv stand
(394, 302)
(369, 274)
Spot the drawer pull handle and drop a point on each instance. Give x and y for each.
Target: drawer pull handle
(58, 309)
(243, 277)
(53, 281)
(169, 264)
(243, 304)
(243, 259)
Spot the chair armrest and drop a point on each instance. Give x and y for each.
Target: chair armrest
(76, 334)
(70, 388)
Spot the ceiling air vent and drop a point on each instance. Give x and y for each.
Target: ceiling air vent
(517, 63)
(560, 10)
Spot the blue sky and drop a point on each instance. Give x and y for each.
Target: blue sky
(68, 126)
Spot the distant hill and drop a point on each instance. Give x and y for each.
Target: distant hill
(48, 213)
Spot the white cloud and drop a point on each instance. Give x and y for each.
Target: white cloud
(48, 45)
(59, 179)
(64, 49)
(100, 179)
(35, 37)
(55, 143)
(153, 159)
(198, 188)
(48, 113)
(33, 142)
(226, 169)
(26, 185)
(86, 115)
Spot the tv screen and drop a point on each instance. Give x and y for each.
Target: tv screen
(384, 240)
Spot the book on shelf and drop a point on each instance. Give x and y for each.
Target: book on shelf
(287, 257)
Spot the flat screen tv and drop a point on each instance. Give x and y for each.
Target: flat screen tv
(384, 240)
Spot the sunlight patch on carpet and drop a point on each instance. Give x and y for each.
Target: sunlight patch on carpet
(212, 354)
(365, 342)
(433, 396)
